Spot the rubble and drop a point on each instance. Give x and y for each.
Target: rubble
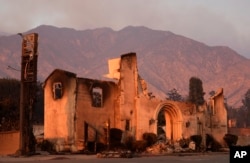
(162, 147)
(192, 145)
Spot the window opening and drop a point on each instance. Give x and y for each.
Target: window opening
(97, 96)
(127, 125)
(57, 90)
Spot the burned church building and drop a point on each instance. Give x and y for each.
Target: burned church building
(78, 109)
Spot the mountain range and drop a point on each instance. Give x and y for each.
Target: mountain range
(165, 60)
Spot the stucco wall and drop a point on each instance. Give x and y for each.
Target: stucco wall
(95, 116)
(176, 115)
(219, 126)
(128, 91)
(59, 113)
(9, 142)
(243, 135)
(146, 111)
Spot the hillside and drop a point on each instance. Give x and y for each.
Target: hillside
(165, 60)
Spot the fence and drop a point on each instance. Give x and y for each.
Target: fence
(9, 142)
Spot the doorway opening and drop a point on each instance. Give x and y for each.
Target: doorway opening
(169, 122)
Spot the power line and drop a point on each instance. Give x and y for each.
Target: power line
(12, 68)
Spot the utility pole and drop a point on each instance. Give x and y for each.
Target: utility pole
(28, 92)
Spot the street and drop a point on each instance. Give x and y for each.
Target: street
(204, 158)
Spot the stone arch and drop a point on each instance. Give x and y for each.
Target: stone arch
(173, 117)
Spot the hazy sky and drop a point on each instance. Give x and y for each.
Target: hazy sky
(214, 22)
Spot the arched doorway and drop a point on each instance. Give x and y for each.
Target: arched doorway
(169, 120)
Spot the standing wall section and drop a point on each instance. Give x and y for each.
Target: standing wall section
(59, 113)
(128, 93)
(96, 117)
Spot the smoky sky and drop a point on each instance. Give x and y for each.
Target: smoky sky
(213, 22)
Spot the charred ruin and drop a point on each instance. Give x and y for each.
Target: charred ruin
(80, 110)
